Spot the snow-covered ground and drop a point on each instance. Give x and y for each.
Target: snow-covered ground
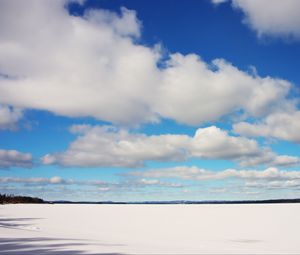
(149, 229)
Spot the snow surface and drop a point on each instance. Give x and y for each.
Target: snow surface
(63, 229)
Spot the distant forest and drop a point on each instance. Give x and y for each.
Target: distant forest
(11, 199)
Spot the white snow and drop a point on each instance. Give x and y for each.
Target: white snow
(149, 229)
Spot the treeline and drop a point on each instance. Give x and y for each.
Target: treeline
(11, 199)
(270, 201)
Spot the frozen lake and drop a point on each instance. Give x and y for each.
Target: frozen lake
(152, 229)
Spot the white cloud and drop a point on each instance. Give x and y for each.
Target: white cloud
(94, 66)
(284, 160)
(212, 142)
(56, 179)
(281, 184)
(101, 146)
(35, 180)
(75, 66)
(101, 185)
(216, 2)
(194, 92)
(155, 182)
(13, 158)
(9, 117)
(127, 25)
(273, 18)
(195, 173)
(271, 159)
(280, 125)
(106, 146)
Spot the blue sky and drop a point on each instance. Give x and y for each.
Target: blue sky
(140, 100)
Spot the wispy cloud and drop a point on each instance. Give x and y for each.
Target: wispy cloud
(101, 185)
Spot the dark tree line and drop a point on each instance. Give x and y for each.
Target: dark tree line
(11, 199)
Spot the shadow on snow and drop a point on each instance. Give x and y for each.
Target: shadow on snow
(41, 245)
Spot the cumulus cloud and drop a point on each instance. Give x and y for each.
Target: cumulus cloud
(99, 146)
(75, 66)
(107, 146)
(9, 117)
(195, 173)
(271, 18)
(13, 158)
(212, 142)
(94, 66)
(194, 92)
(280, 125)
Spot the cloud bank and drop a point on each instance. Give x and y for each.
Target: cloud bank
(104, 146)
(195, 173)
(94, 66)
(101, 185)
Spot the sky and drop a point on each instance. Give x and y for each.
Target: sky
(144, 100)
